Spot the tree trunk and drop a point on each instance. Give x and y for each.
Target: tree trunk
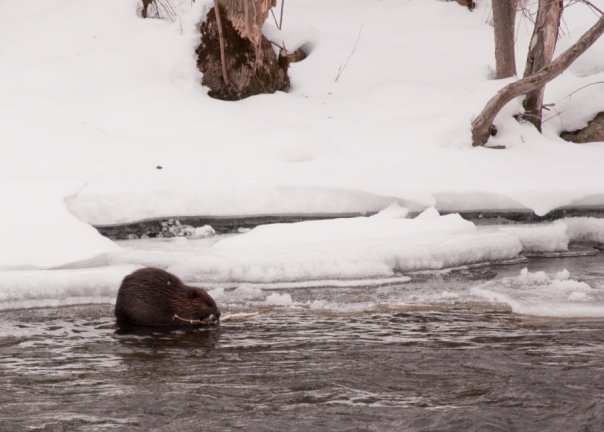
(504, 18)
(235, 58)
(541, 52)
(481, 125)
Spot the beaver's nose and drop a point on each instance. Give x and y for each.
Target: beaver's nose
(216, 315)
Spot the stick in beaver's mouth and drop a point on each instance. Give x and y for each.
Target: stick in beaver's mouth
(229, 317)
(195, 321)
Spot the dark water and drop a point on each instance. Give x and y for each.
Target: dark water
(457, 366)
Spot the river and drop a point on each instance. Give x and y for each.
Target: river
(426, 355)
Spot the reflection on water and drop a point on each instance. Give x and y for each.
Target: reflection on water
(447, 364)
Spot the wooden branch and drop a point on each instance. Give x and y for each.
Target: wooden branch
(189, 321)
(482, 123)
(236, 316)
(229, 317)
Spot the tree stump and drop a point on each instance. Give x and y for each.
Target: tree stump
(594, 131)
(250, 63)
(470, 4)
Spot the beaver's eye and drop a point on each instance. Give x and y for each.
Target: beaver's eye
(193, 295)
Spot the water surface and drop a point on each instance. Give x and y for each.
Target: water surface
(420, 356)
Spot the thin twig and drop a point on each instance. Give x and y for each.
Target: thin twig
(228, 317)
(559, 113)
(279, 23)
(579, 89)
(168, 9)
(277, 45)
(591, 5)
(343, 66)
(281, 15)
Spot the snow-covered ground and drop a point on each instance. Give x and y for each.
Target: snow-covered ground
(103, 121)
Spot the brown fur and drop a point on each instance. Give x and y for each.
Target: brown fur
(154, 297)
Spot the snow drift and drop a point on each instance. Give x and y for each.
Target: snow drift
(364, 247)
(38, 232)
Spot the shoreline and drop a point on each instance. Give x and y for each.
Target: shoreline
(150, 228)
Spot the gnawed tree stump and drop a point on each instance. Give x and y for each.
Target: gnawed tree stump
(249, 65)
(594, 131)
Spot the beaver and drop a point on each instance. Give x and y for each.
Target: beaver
(155, 298)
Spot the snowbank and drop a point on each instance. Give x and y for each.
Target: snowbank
(540, 294)
(550, 237)
(358, 248)
(385, 245)
(37, 288)
(585, 230)
(357, 253)
(349, 252)
(38, 232)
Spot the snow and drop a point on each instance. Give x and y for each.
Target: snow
(104, 121)
(585, 229)
(113, 96)
(541, 238)
(277, 299)
(385, 250)
(355, 248)
(37, 288)
(50, 239)
(540, 294)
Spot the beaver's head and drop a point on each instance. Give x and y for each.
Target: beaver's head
(195, 306)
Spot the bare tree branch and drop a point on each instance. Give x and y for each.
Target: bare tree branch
(343, 66)
(481, 125)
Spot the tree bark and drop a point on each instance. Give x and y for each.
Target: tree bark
(541, 52)
(504, 18)
(225, 75)
(248, 16)
(481, 125)
(236, 60)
